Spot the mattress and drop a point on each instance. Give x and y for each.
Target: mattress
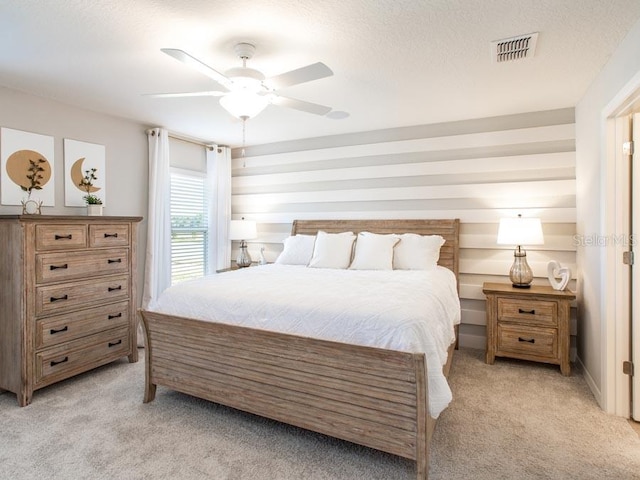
(405, 310)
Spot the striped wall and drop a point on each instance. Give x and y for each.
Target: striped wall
(476, 170)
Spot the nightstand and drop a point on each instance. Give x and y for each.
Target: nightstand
(528, 324)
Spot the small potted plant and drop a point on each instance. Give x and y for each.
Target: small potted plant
(34, 175)
(94, 203)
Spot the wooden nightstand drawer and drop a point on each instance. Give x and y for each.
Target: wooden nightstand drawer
(527, 341)
(534, 312)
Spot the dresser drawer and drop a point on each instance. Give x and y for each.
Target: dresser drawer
(531, 312)
(60, 237)
(54, 299)
(52, 267)
(530, 341)
(108, 235)
(52, 331)
(56, 363)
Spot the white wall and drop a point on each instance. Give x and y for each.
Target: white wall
(474, 170)
(591, 172)
(126, 154)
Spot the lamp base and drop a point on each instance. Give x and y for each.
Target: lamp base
(244, 259)
(520, 274)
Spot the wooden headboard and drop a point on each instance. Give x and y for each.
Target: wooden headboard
(448, 229)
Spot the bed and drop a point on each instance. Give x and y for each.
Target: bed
(376, 397)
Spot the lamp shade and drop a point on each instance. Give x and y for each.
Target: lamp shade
(242, 230)
(520, 231)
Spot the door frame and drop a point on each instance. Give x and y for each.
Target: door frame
(615, 319)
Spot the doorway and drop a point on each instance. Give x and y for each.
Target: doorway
(623, 305)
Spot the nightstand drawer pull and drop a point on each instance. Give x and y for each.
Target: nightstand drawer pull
(118, 260)
(56, 267)
(54, 331)
(113, 344)
(110, 235)
(117, 315)
(111, 289)
(56, 299)
(528, 312)
(63, 237)
(54, 363)
(528, 340)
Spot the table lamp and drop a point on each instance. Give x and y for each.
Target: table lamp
(243, 230)
(520, 231)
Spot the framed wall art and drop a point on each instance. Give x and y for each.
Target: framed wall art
(27, 177)
(84, 173)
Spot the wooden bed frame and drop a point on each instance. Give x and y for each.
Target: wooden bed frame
(370, 396)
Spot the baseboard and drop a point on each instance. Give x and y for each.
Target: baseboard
(590, 382)
(478, 342)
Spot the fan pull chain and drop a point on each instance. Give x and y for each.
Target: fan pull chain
(244, 131)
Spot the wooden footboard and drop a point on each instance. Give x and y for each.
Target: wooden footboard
(370, 396)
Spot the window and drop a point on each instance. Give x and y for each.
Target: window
(189, 225)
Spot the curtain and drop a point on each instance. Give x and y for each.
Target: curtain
(157, 274)
(219, 184)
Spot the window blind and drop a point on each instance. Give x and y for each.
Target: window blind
(189, 225)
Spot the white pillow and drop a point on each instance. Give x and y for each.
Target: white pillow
(297, 250)
(332, 250)
(417, 252)
(374, 251)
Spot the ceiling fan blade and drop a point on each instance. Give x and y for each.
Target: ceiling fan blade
(212, 93)
(196, 64)
(300, 105)
(315, 71)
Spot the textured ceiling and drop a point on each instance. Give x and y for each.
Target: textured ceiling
(395, 62)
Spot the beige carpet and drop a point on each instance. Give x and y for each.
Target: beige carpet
(512, 420)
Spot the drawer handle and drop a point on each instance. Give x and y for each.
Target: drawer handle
(111, 289)
(54, 363)
(56, 267)
(528, 312)
(56, 299)
(528, 340)
(110, 235)
(63, 237)
(119, 260)
(117, 315)
(63, 329)
(113, 344)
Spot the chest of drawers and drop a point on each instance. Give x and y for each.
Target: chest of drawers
(68, 297)
(529, 324)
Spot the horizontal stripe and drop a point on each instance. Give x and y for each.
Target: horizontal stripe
(486, 215)
(393, 169)
(475, 141)
(532, 148)
(477, 125)
(491, 190)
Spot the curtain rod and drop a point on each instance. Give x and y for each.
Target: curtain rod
(176, 136)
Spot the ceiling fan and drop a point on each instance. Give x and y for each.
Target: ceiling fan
(246, 91)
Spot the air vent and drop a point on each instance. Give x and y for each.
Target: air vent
(515, 48)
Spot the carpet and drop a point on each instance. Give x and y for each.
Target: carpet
(511, 420)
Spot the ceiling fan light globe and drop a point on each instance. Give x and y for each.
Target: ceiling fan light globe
(245, 78)
(244, 104)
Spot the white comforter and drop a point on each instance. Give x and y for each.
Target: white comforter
(412, 311)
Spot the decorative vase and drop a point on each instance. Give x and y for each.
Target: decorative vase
(94, 210)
